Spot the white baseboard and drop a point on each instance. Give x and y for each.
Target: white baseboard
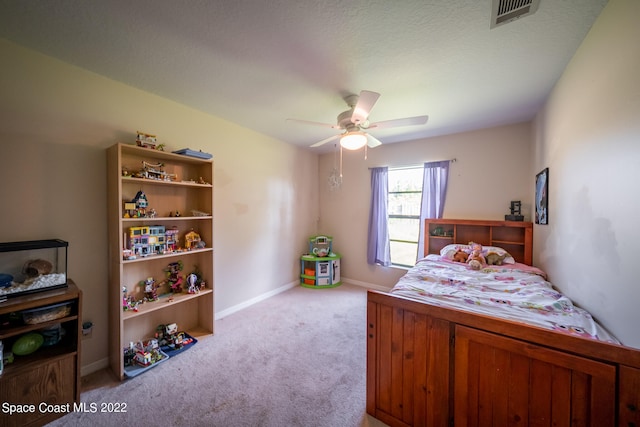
(224, 313)
(227, 312)
(94, 367)
(366, 285)
(104, 363)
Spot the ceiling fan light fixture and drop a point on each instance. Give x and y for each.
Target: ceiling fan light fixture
(353, 140)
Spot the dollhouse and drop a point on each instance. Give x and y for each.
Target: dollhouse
(152, 239)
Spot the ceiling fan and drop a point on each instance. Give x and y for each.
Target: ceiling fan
(356, 119)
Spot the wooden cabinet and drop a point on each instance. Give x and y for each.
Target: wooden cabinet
(179, 199)
(515, 238)
(49, 378)
(499, 378)
(433, 366)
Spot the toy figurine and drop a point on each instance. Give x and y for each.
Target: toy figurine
(146, 140)
(128, 303)
(162, 334)
(172, 239)
(199, 284)
(130, 210)
(125, 300)
(129, 353)
(192, 240)
(192, 280)
(147, 352)
(150, 289)
(173, 276)
(168, 335)
(476, 260)
(127, 255)
(141, 204)
(154, 171)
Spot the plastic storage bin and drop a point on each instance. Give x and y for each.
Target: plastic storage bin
(46, 314)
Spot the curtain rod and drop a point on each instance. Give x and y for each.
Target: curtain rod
(416, 165)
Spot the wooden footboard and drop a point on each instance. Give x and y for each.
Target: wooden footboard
(435, 366)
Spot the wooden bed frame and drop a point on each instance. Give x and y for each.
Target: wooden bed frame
(435, 366)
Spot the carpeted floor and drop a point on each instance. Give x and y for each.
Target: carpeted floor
(296, 359)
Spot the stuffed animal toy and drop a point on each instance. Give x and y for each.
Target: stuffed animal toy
(460, 256)
(476, 260)
(495, 259)
(475, 264)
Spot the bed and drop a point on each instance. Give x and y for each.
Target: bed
(496, 346)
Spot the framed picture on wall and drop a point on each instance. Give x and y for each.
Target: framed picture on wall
(542, 197)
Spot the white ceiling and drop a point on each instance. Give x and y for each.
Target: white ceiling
(257, 63)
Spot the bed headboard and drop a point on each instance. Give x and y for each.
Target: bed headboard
(516, 237)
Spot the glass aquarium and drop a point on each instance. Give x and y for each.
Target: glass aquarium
(32, 266)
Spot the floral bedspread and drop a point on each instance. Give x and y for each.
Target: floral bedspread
(514, 291)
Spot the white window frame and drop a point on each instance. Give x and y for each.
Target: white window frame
(416, 217)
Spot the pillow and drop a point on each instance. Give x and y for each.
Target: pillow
(450, 250)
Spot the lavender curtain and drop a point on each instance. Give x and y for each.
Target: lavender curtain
(434, 191)
(378, 246)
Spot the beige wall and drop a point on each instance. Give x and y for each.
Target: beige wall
(58, 120)
(492, 168)
(588, 136)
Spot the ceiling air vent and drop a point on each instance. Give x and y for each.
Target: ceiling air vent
(503, 11)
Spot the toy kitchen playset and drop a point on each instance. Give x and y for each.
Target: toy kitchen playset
(320, 268)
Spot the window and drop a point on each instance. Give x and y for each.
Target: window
(400, 201)
(405, 195)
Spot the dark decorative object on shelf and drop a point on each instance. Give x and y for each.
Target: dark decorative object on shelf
(515, 209)
(441, 232)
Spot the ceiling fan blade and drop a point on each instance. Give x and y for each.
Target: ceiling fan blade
(372, 141)
(324, 141)
(366, 101)
(407, 121)
(309, 122)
